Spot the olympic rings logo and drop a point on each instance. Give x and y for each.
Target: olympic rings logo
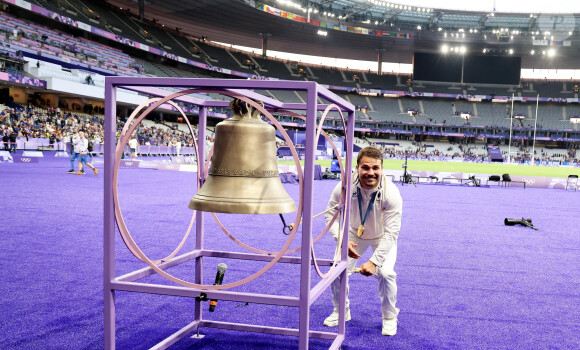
(25, 160)
(529, 182)
(169, 166)
(128, 163)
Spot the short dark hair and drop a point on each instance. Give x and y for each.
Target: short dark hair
(371, 152)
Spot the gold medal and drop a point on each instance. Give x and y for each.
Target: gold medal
(361, 229)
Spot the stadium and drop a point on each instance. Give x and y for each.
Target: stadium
(472, 107)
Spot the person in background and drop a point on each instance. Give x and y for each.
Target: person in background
(75, 155)
(178, 146)
(6, 140)
(335, 165)
(82, 147)
(133, 143)
(327, 174)
(13, 136)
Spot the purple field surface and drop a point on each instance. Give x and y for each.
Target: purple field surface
(466, 281)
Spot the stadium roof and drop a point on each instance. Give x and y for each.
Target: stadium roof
(424, 29)
(506, 6)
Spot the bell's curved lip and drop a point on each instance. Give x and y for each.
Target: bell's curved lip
(241, 205)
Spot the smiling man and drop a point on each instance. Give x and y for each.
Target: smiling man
(375, 221)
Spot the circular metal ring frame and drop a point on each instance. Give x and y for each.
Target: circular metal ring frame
(320, 131)
(129, 239)
(123, 230)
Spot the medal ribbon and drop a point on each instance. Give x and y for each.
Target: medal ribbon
(359, 195)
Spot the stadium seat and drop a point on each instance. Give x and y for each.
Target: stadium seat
(572, 181)
(494, 178)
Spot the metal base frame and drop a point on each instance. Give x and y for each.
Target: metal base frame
(307, 294)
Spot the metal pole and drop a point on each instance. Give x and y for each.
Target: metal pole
(462, 65)
(199, 219)
(109, 216)
(511, 127)
(307, 197)
(349, 137)
(380, 61)
(535, 126)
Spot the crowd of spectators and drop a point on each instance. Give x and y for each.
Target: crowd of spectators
(56, 125)
(475, 153)
(59, 125)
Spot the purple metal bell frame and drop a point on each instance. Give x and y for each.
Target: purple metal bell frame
(307, 294)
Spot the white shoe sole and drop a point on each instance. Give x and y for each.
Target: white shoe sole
(334, 323)
(390, 332)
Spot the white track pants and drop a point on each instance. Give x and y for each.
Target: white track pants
(385, 275)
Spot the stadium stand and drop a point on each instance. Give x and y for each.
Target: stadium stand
(92, 60)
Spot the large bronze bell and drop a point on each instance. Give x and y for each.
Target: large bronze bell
(243, 177)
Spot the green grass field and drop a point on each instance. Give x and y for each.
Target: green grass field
(476, 168)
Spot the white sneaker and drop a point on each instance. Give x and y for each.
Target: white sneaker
(389, 326)
(332, 320)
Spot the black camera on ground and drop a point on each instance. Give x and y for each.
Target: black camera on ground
(522, 221)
